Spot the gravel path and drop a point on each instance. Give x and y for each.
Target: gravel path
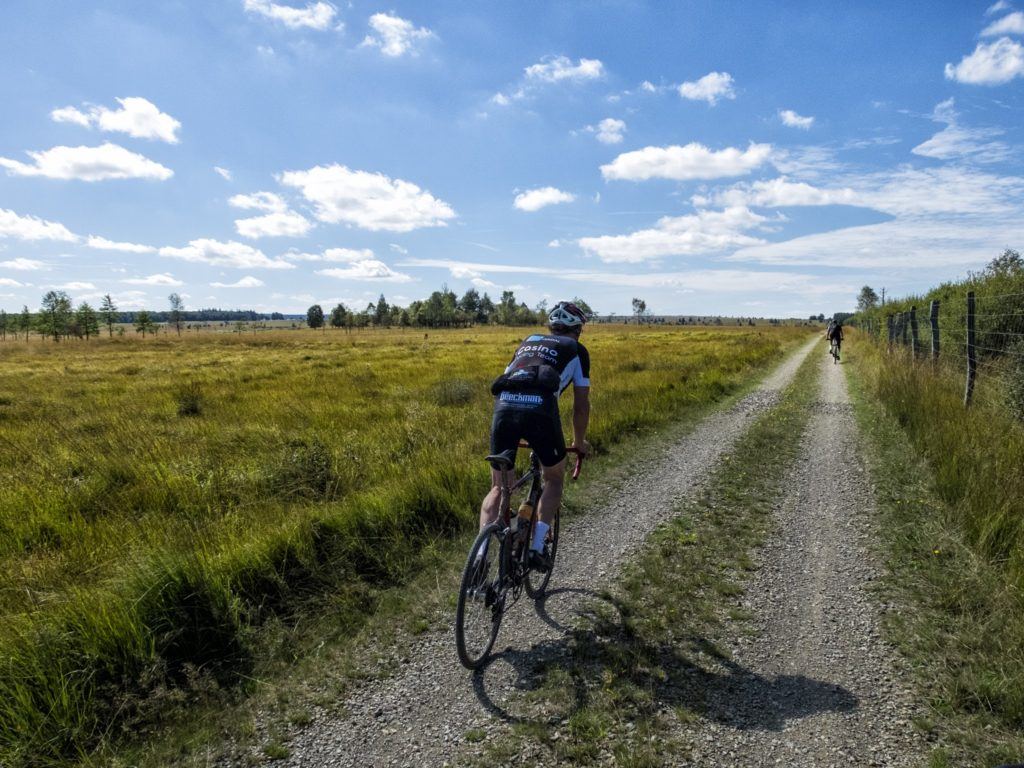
(420, 716)
(815, 685)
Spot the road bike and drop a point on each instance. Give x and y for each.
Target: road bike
(498, 570)
(834, 350)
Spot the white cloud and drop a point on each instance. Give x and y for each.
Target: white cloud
(702, 232)
(11, 283)
(259, 201)
(23, 265)
(500, 99)
(224, 173)
(33, 228)
(778, 193)
(793, 120)
(101, 243)
(368, 269)
(555, 244)
(395, 36)
(319, 15)
(958, 142)
(710, 88)
(996, 7)
(648, 87)
(1011, 24)
(609, 130)
(245, 282)
(221, 254)
(990, 64)
(74, 286)
(346, 255)
(371, 201)
(555, 69)
(138, 117)
(286, 224)
(108, 161)
(397, 248)
(164, 279)
(693, 161)
(535, 199)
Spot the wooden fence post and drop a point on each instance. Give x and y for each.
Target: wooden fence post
(904, 327)
(933, 317)
(915, 339)
(890, 328)
(972, 353)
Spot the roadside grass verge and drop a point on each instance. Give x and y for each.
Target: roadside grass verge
(951, 498)
(636, 665)
(159, 551)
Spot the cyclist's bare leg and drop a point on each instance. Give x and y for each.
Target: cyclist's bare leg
(489, 508)
(554, 481)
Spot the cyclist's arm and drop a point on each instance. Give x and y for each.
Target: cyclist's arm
(580, 414)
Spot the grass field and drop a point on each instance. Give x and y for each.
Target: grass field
(160, 499)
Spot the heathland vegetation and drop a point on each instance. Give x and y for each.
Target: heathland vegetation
(958, 539)
(162, 498)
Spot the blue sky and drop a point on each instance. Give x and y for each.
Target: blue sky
(710, 157)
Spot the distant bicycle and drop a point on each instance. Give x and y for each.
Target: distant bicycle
(834, 350)
(498, 569)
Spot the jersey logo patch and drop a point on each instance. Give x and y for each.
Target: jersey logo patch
(521, 399)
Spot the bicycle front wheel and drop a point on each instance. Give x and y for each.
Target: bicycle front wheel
(536, 582)
(479, 609)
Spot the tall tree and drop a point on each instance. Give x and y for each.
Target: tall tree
(382, 312)
(144, 323)
(583, 305)
(867, 299)
(339, 315)
(486, 309)
(55, 314)
(639, 308)
(315, 316)
(25, 321)
(470, 304)
(3, 325)
(86, 321)
(109, 312)
(177, 308)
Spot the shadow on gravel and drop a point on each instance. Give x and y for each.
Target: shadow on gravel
(605, 665)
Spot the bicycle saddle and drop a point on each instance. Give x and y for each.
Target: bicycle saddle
(504, 460)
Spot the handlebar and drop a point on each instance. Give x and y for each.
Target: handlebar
(579, 459)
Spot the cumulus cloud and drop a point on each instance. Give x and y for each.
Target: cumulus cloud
(368, 269)
(990, 64)
(608, 131)
(693, 161)
(268, 202)
(371, 201)
(395, 36)
(11, 282)
(702, 232)
(793, 120)
(778, 193)
(956, 142)
(1011, 24)
(535, 199)
(224, 254)
(224, 173)
(107, 161)
(138, 117)
(165, 279)
(996, 7)
(346, 255)
(283, 224)
(710, 88)
(319, 15)
(73, 285)
(23, 264)
(101, 243)
(33, 228)
(245, 282)
(556, 69)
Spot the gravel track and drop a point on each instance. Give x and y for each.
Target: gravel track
(815, 684)
(420, 715)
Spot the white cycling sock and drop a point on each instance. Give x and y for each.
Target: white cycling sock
(540, 532)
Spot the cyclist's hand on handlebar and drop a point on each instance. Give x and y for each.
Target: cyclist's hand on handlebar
(583, 450)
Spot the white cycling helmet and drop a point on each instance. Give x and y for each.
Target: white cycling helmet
(567, 314)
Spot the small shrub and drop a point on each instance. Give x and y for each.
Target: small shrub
(189, 399)
(454, 392)
(305, 469)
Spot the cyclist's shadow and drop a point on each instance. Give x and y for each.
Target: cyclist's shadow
(554, 679)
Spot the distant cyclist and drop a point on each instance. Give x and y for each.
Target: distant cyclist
(526, 407)
(835, 335)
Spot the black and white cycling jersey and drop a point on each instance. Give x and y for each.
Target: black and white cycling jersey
(565, 354)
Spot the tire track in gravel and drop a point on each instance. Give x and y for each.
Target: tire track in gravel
(421, 714)
(819, 686)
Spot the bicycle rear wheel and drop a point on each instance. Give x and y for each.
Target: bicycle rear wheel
(536, 582)
(479, 610)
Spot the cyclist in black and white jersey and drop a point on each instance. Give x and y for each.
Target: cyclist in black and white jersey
(526, 407)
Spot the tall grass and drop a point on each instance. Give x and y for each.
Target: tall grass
(960, 556)
(160, 499)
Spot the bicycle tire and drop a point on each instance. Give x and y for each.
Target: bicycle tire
(536, 590)
(471, 655)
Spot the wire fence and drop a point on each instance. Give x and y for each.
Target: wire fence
(979, 335)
